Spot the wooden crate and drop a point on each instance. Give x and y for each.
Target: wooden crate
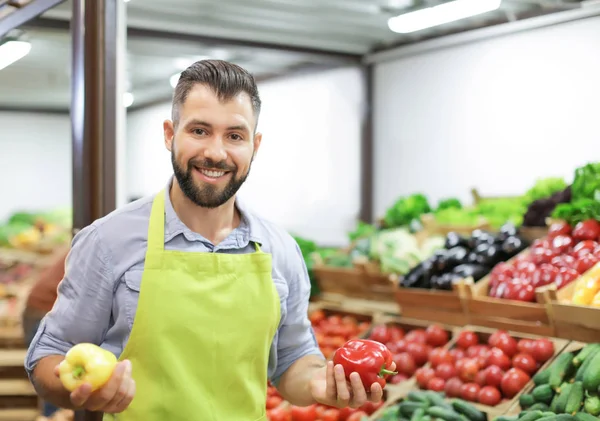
(432, 305)
(499, 313)
(18, 399)
(571, 321)
(361, 281)
(432, 227)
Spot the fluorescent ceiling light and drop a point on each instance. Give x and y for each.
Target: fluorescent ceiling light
(174, 79)
(128, 99)
(438, 15)
(12, 51)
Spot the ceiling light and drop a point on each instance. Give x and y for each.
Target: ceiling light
(438, 15)
(12, 51)
(128, 99)
(174, 79)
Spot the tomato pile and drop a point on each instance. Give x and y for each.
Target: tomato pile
(560, 258)
(412, 349)
(332, 331)
(482, 371)
(279, 410)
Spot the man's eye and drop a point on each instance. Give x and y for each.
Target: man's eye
(236, 136)
(199, 132)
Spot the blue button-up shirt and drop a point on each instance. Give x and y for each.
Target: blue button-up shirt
(97, 299)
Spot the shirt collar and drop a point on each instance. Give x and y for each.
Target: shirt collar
(250, 228)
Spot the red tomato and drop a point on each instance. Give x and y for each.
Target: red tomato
(489, 396)
(357, 416)
(330, 414)
(273, 402)
(321, 410)
(498, 358)
(477, 351)
(468, 369)
(398, 346)
(316, 317)
(435, 335)
(396, 333)
(586, 230)
(503, 268)
(545, 275)
(467, 339)
(543, 255)
(308, 413)
(436, 384)
(480, 378)
(585, 247)
(508, 345)
(525, 362)
(398, 378)
(439, 356)
(423, 375)
(416, 335)
(562, 243)
(343, 413)
(493, 375)
(565, 277)
(470, 392)
(405, 363)
(541, 243)
(453, 387)
(525, 345)
(559, 228)
(334, 319)
(513, 381)
(445, 371)
(494, 337)
(280, 414)
(585, 263)
(381, 333)
(457, 354)
(543, 350)
(563, 261)
(419, 352)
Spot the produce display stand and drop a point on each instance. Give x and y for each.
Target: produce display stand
(433, 227)
(431, 305)
(571, 321)
(500, 313)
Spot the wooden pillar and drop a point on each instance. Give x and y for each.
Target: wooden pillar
(366, 149)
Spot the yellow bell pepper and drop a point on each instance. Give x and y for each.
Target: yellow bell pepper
(587, 287)
(86, 363)
(596, 300)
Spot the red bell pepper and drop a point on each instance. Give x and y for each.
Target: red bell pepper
(370, 359)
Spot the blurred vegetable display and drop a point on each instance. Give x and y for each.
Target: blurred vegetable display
(406, 209)
(584, 201)
(38, 232)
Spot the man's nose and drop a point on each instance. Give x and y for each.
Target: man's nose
(215, 150)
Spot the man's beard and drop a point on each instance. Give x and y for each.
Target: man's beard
(209, 196)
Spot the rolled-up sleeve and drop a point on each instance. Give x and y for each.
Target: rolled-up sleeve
(296, 336)
(82, 310)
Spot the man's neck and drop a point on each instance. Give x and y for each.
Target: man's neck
(213, 224)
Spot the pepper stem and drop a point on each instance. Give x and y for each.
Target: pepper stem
(385, 372)
(78, 372)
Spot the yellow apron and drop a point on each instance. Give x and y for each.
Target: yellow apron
(203, 329)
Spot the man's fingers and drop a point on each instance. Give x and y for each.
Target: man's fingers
(104, 395)
(359, 394)
(343, 394)
(123, 397)
(331, 390)
(376, 393)
(80, 395)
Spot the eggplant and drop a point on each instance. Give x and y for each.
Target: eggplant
(487, 255)
(417, 277)
(507, 230)
(481, 237)
(473, 270)
(456, 256)
(440, 260)
(444, 282)
(454, 239)
(513, 245)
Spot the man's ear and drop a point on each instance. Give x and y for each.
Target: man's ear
(257, 142)
(169, 133)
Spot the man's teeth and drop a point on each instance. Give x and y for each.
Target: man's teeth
(213, 174)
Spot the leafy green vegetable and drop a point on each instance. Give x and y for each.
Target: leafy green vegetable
(405, 210)
(545, 187)
(578, 210)
(449, 203)
(502, 210)
(362, 230)
(586, 184)
(454, 216)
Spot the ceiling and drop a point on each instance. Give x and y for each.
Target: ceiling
(166, 36)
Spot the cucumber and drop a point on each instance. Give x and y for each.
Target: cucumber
(539, 405)
(557, 417)
(582, 416)
(506, 418)
(543, 393)
(542, 377)
(468, 410)
(562, 366)
(561, 402)
(426, 418)
(437, 399)
(591, 378)
(575, 398)
(407, 408)
(531, 416)
(443, 414)
(586, 363)
(526, 400)
(418, 396)
(592, 405)
(584, 353)
(418, 415)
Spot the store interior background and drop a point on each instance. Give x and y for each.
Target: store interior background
(499, 112)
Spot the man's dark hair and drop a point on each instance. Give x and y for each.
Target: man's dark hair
(224, 78)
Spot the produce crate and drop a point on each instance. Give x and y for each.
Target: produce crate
(432, 227)
(533, 233)
(361, 281)
(499, 313)
(571, 321)
(18, 399)
(431, 305)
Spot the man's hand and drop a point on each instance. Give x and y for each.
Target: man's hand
(112, 398)
(330, 387)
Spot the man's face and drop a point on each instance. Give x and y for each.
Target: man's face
(213, 146)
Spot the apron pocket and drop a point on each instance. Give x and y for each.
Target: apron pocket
(133, 282)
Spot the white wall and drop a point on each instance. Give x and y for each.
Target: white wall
(494, 115)
(306, 176)
(35, 162)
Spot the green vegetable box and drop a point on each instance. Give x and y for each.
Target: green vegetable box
(568, 389)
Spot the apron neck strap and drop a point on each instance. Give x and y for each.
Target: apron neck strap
(156, 229)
